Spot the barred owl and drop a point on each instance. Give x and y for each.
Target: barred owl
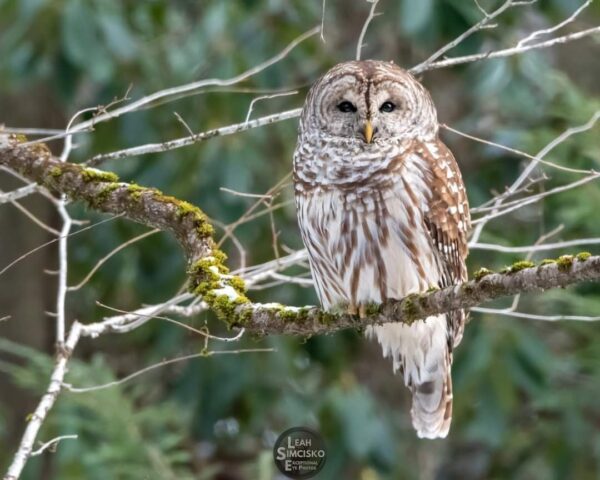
(383, 213)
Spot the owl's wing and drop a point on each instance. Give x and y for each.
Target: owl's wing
(447, 217)
(448, 221)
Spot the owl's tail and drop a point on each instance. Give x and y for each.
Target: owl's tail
(421, 353)
(431, 410)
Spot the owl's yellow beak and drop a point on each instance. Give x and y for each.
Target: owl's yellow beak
(368, 131)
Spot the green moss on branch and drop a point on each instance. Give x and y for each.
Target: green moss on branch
(92, 175)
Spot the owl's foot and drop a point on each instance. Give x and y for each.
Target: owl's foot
(361, 310)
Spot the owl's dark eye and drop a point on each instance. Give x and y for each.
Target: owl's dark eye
(346, 107)
(387, 107)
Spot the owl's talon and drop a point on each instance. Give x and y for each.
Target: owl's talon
(351, 310)
(362, 310)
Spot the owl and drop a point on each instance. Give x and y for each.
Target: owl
(383, 213)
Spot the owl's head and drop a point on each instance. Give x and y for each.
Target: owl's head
(369, 101)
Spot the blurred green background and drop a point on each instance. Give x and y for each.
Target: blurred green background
(525, 392)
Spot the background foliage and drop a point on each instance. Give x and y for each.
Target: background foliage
(525, 392)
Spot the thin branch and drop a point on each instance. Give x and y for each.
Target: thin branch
(204, 333)
(31, 131)
(188, 88)
(520, 203)
(481, 9)
(247, 195)
(531, 316)
(535, 248)
(19, 193)
(475, 28)
(33, 218)
(323, 23)
(54, 240)
(192, 139)
(534, 163)
(109, 255)
(514, 150)
(52, 444)
(62, 273)
(534, 198)
(507, 52)
(247, 216)
(506, 194)
(164, 363)
(127, 321)
(556, 27)
(184, 123)
(237, 243)
(46, 403)
(266, 97)
(363, 32)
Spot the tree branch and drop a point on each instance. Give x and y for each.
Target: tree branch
(224, 293)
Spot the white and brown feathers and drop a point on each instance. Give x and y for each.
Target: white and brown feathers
(383, 213)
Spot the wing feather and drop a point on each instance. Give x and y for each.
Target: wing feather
(448, 221)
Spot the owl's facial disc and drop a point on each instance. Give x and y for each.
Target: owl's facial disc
(372, 103)
(363, 110)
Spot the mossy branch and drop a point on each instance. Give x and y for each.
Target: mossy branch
(225, 293)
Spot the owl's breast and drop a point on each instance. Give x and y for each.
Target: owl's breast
(365, 247)
(347, 166)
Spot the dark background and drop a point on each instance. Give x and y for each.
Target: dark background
(525, 392)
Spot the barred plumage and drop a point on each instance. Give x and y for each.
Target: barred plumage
(383, 213)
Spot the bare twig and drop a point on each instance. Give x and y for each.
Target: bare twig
(323, 23)
(507, 52)
(483, 23)
(556, 27)
(62, 273)
(534, 163)
(188, 88)
(247, 195)
(21, 192)
(204, 333)
(164, 363)
(191, 139)
(515, 151)
(363, 32)
(52, 444)
(54, 240)
(530, 316)
(104, 259)
(31, 131)
(33, 217)
(535, 248)
(46, 403)
(266, 97)
(520, 203)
